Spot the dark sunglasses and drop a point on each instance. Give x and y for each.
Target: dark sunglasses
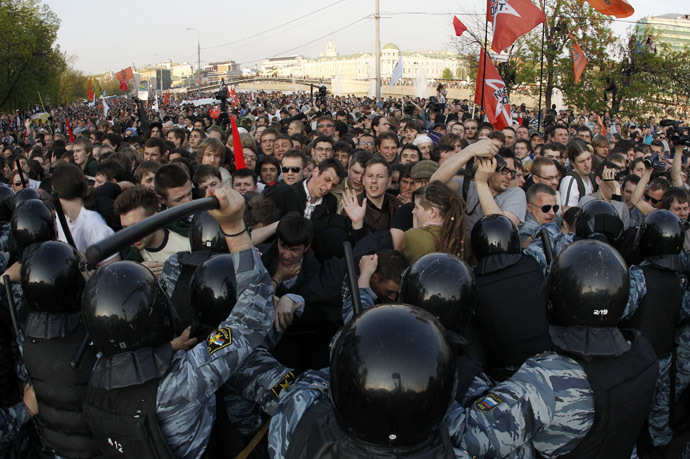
(293, 169)
(547, 207)
(17, 183)
(651, 199)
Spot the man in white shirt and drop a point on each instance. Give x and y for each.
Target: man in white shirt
(87, 227)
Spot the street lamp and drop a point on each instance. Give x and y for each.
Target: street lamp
(161, 73)
(198, 56)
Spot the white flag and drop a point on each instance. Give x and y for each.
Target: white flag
(397, 73)
(155, 104)
(106, 109)
(93, 102)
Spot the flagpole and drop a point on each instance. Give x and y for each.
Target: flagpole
(486, 38)
(541, 70)
(50, 124)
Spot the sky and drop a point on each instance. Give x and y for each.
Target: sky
(101, 36)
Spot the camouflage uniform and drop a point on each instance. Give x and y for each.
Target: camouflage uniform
(547, 406)
(12, 419)
(254, 388)
(170, 273)
(559, 241)
(186, 402)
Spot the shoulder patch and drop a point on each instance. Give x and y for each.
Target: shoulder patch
(218, 339)
(284, 383)
(488, 403)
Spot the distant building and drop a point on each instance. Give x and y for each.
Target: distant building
(416, 64)
(226, 68)
(672, 29)
(183, 70)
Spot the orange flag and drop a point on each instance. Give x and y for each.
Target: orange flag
(510, 20)
(124, 75)
(579, 58)
(617, 8)
(166, 99)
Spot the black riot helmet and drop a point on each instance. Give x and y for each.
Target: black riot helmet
(206, 234)
(125, 309)
(392, 376)
(214, 290)
(53, 278)
(596, 218)
(588, 285)
(31, 223)
(661, 233)
(24, 195)
(494, 234)
(443, 285)
(6, 203)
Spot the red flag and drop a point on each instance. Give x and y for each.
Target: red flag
(232, 95)
(511, 19)
(237, 145)
(69, 129)
(166, 99)
(458, 26)
(214, 113)
(617, 8)
(579, 59)
(89, 92)
(496, 103)
(123, 86)
(600, 122)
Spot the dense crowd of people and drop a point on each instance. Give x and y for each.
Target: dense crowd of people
(523, 290)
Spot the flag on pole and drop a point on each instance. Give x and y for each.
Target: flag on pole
(251, 93)
(579, 58)
(89, 92)
(232, 96)
(166, 98)
(511, 19)
(106, 109)
(458, 26)
(93, 101)
(237, 145)
(155, 104)
(397, 73)
(617, 8)
(496, 103)
(69, 130)
(123, 76)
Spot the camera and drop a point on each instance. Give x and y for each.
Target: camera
(653, 162)
(677, 136)
(500, 163)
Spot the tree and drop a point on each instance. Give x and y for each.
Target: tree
(447, 74)
(29, 58)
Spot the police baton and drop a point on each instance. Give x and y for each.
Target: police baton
(10, 303)
(63, 221)
(21, 173)
(352, 274)
(125, 237)
(546, 243)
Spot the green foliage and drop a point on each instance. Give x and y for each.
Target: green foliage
(30, 61)
(447, 74)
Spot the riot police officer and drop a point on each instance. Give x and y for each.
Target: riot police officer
(659, 240)
(591, 396)
(510, 317)
(145, 401)
(386, 392)
(52, 279)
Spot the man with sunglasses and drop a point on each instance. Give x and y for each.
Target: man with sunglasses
(542, 208)
(609, 189)
(292, 167)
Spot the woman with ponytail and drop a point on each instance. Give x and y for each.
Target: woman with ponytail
(439, 222)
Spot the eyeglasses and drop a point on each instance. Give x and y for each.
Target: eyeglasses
(323, 150)
(547, 208)
(554, 178)
(17, 183)
(293, 169)
(324, 126)
(366, 142)
(510, 172)
(651, 199)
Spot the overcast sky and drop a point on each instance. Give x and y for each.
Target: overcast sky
(108, 36)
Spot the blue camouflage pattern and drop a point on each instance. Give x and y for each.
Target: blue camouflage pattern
(368, 299)
(186, 402)
(170, 273)
(12, 419)
(546, 406)
(256, 386)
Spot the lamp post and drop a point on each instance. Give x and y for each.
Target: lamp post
(161, 73)
(198, 57)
